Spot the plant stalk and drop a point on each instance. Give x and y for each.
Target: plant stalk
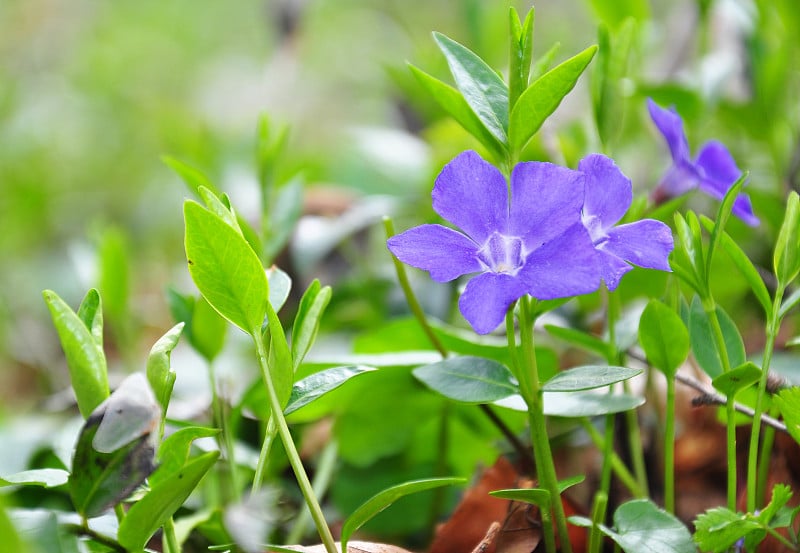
(291, 451)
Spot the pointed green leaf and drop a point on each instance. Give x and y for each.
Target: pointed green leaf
(588, 377)
(611, 67)
(307, 320)
(192, 177)
(543, 96)
(745, 266)
(458, 108)
(537, 496)
(704, 345)
(148, 514)
(468, 379)
(735, 380)
(544, 62)
(588, 404)
(225, 268)
(220, 207)
(279, 362)
(174, 451)
(481, 86)
(282, 218)
(381, 500)
(85, 357)
(663, 337)
(786, 259)
(520, 53)
(280, 284)
(789, 303)
(318, 384)
(159, 373)
(90, 311)
(641, 527)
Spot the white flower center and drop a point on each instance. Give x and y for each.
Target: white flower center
(502, 254)
(595, 228)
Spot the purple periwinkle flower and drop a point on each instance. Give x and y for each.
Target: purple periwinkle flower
(608, 195)
(713, 171)
(529, 241)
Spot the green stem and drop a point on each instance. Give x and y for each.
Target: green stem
(322, 480)
(532, 393)
(619, 468)
(601, 496)
(730, 407)
(84, 530)
(270, 432)
(752, 457)
(598, 518)
(224, 440)
(169, 540)
(767, 443)
(291, 451)
(669, 448)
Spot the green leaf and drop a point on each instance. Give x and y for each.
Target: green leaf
(543, 96)
(611, 67)
(279, 362)
(148, 514)
(306, 322)
(220, 206)
(174, 451)
(468, 379)
(641, 527)
(85, 357)
(786, 259)
(588, 404)
(663, 337)
(745, 266)
(688, 254)
(280, 284)
(537, 496)
(48, 478)
(225, 268)
(159, 373)
(318, 384)
(458, 108)
(735, 380)
(718, 529)
(544, 62)
(703, 343)
(580, 339)
(193, 177)
(788, 403)
(520, 53)
(115, 449)
(789, 303)
(282, 218)
(90, 311)
(781, 494)
(588, 377)
(381, 500)
(481, 86)
(208, 330)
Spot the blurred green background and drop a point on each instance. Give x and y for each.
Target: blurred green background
(92, 94)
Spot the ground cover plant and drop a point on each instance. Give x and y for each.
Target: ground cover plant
(545, 344)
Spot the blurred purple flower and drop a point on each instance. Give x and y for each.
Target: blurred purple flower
(713, 171)
(531, 242)
(608, 195)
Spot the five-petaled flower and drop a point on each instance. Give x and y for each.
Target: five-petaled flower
(608, 195)
(551, 235)
(713, 171)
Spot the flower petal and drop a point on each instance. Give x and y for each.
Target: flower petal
(670, 125)
(486, 299)
(719, 171)
(646, 243)
(679, 179)
(566, 266)
(443, 252)
(613, 269)
(546, 200)
(472, 194)
(608, 193)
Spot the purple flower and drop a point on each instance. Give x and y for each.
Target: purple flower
(608, 195)
(531, 242)
(713, 171)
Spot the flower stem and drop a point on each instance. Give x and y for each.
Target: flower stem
(532, 393)
(291, 451)
(730, 408)
(669, 448)
(617, 465)
(752, 457)
(270, 432)
(169, 539)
